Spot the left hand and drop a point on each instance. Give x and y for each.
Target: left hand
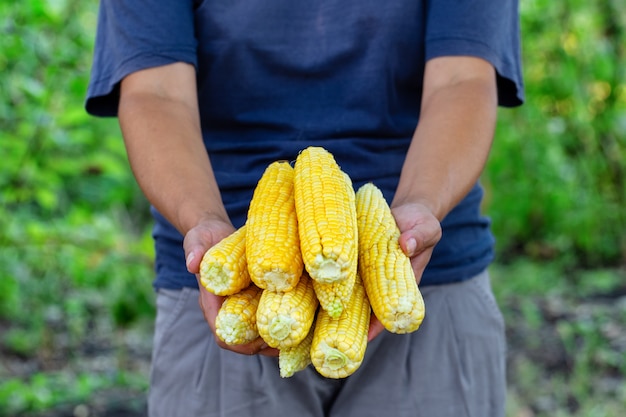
(197, 241)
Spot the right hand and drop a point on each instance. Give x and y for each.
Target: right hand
(198, 240)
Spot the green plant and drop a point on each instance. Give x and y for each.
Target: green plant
(43, 391)
(75, 247)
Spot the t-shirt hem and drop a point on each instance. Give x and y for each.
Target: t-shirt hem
(103, 93)
(508, 76)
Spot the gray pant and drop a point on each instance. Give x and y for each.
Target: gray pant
(453, 366)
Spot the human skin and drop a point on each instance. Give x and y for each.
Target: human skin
(159, 118)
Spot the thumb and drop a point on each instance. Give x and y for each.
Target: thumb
(419, 228)
(420, 237)
(199, 239)
(193, 258)
(408, 243)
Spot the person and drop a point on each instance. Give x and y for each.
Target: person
(403, 94)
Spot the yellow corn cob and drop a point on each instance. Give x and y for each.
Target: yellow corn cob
(339, 344)
(284, 318)
(326, 211)
(236, 320)
(272, 241)
(385, 269)
(223, 269)
(296, 358)
(335, 296)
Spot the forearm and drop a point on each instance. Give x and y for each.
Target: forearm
(167, 156)
(450, 145)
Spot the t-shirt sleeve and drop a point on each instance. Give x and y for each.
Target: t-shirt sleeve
(133, 35)
(487, 29)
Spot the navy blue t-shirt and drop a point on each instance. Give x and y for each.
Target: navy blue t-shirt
(277, 76)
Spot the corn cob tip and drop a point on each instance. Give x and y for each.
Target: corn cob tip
(287, 371)
(333, 363)
(333, 358)
(408, 315)
(233, 331)
(216, 279)
(280, 327)
(334, 309)
(327, 270)
(296, 358)
(277, 280)
(288, 368)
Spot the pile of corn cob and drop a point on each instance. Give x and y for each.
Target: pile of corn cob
(312, 262)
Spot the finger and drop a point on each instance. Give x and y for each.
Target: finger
(408, 243)
(194, 258)
(210, 305)
(419, 238)
(418, 264)
(420, 229)
(194, 248)
(420, 261)
(269, 351)
(200, 239)
(376, 328)
(256, 346)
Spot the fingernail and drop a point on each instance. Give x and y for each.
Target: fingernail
(190, 258)
(411, 245)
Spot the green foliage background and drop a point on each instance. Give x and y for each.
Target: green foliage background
(557, 173)
(75, 251)
(75, 247)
